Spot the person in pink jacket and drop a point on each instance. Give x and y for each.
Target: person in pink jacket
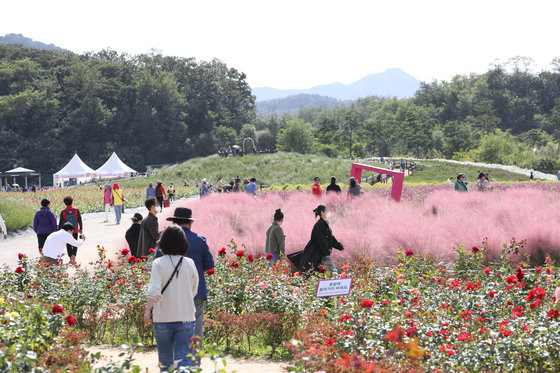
(107, 201)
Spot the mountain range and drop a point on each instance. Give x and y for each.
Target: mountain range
(389, 83)
(28, 42)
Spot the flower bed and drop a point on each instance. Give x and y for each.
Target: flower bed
(475, 315)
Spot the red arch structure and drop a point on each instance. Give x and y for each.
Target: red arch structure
(398, 177)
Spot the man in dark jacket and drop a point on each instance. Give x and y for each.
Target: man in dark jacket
(44, 223)
(332, 187)
(133, 233)
(149, 233)
(200, 254)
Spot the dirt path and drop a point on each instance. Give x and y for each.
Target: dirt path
(148, 361)
(108, 235)
(111, 236)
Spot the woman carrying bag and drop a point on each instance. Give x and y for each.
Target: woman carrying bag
(173, 285)
(318, 249)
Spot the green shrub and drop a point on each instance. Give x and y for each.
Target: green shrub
(17, 215)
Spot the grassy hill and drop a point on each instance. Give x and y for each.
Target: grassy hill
(293, 168)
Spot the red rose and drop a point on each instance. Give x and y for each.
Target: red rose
(222, 251)
(29, 296)
(450, 352)
(250, 258)
(151, 251)
(330, 342)
(411, 331)
(133, 259)
(210, 272)
(298, 273)
(269, 256)
(487, 270)
(409, 253)
(70, 320)
(475, 249)
(19, 270)
(57, 309)
(125, 252)
(20, 256)
(519, 274)
(240, 253)
(144, 257)
(366, 303)
(321, 269)
(234, 264)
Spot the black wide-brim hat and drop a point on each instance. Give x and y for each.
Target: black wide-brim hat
(182, 213)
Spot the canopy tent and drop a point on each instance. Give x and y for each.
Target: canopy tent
(19, 171)
(114, 167)
(75, 169)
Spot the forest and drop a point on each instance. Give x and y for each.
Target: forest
(154, 109)
(150, 109)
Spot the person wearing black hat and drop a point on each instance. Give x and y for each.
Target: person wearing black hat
(203, 260)
(133, 233)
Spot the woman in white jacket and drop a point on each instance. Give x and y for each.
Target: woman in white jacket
(173, 285)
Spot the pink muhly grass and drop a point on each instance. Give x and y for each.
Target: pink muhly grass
(376, 226)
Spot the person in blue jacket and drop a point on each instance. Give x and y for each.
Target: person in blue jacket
(200, 253)
(44, 223)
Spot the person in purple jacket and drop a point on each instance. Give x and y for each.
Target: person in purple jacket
(44, 223)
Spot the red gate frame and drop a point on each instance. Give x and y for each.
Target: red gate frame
(398, 177)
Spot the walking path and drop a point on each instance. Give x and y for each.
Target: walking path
(111, 236)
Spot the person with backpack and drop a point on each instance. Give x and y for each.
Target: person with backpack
(171, 192)
(44, 223)
(160, 194)
(71, 215)
(117, 199)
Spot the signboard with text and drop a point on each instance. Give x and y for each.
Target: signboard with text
(334, 287)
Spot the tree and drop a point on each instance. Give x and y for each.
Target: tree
(296, 137)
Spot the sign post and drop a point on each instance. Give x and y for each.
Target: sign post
(333, 287)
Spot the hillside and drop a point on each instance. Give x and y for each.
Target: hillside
(28, 42)
(390, 83)
(294, 168)
(292, 104)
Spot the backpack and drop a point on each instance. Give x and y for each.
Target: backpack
(70, 216)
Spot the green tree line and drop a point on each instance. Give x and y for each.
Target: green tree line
(507, 115)
(148, 108)
(159, 109)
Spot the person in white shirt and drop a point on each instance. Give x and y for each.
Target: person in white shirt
(3, 226)
(173, 285)
(54, 246)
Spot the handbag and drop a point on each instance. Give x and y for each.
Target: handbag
(295, 258)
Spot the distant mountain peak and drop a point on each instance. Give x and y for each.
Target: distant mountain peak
(393, 82)
(28, 42)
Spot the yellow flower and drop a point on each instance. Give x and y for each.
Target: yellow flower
(13, 314)
(1, 301)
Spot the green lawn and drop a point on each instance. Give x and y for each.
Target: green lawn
(293, 168)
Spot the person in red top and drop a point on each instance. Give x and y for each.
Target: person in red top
(160, 194)
(72, 216)
(316, 187)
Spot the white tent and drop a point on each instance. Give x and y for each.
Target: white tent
(114, 167)
(75, 169)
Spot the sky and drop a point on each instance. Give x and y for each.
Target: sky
(299, 44)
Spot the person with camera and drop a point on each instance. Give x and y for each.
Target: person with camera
(53, 249)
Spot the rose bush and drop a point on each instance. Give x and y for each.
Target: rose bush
(472, 315)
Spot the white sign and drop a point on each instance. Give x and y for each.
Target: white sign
(334, 287)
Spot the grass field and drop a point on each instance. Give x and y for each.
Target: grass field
(298, 169)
